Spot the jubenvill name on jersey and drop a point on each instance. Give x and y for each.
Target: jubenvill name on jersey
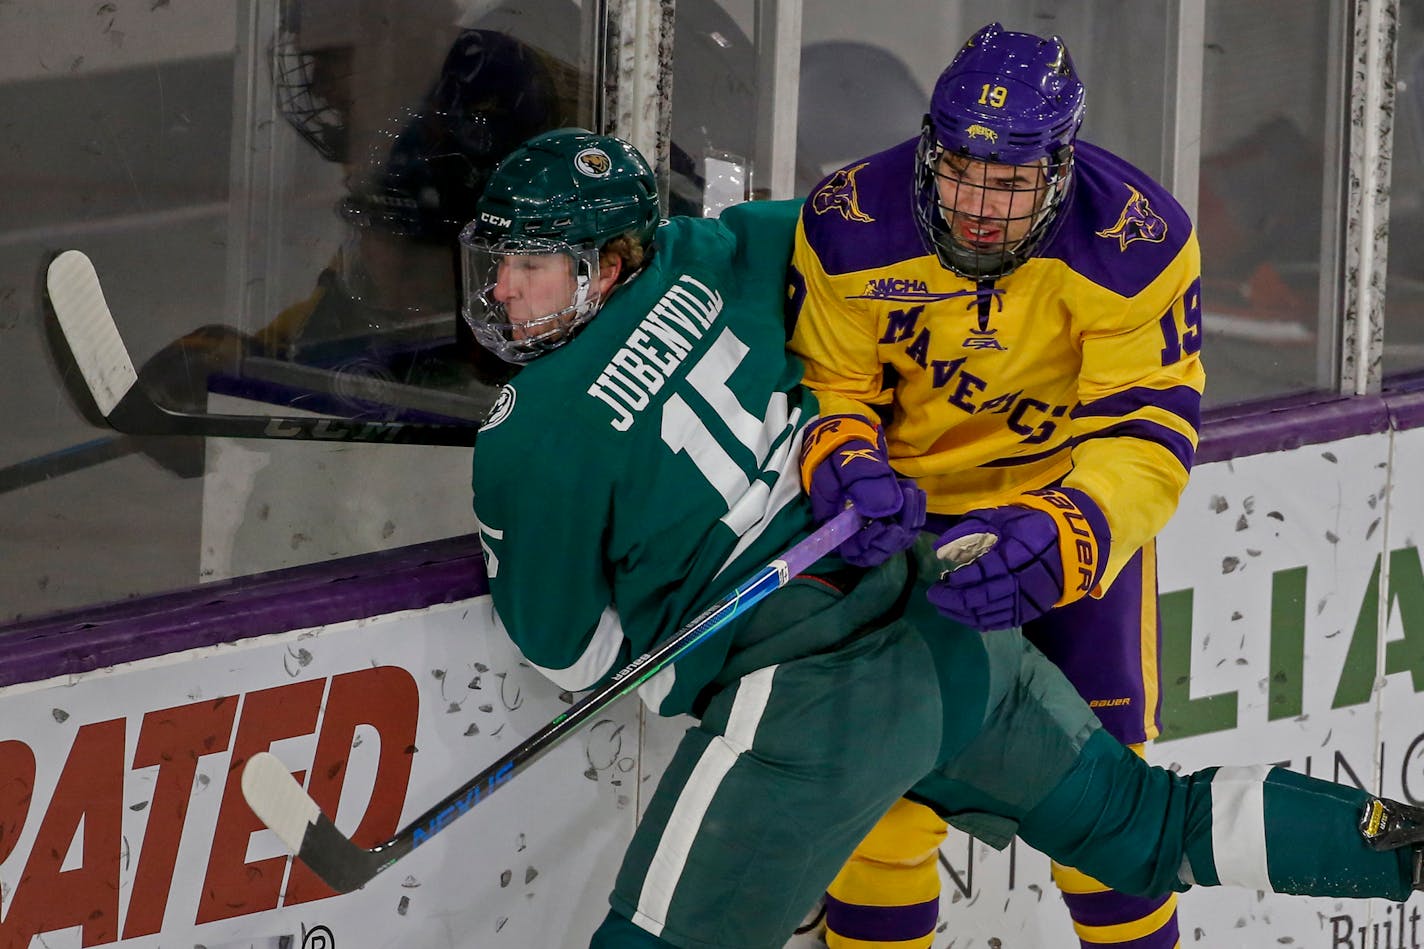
(653, 352)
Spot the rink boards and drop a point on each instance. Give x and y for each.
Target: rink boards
(1293, 633)
(1293, 615)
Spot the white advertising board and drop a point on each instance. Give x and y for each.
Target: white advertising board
(1276, 649)
(1293, 628)
(122, 822)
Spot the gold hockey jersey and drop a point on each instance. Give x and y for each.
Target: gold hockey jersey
(1083, 366)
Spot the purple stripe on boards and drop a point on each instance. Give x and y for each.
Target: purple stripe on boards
(303, 597)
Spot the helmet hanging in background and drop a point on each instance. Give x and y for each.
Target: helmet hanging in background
(428, 168)
(312, 59)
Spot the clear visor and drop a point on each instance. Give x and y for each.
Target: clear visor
(524, 298)
(984, 218)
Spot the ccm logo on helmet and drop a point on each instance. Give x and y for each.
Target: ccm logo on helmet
(593, 162)
(495, 219)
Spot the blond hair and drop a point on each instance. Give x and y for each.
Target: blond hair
(626, 248)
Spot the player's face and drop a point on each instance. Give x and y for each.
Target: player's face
(532, 286)
(988, 207)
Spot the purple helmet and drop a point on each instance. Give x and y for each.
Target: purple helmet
(1007, 99)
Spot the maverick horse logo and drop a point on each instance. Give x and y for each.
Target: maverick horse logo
(1137, 222)
(838, 194)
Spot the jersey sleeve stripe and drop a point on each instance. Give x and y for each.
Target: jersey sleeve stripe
(1182, 401)
(1015, 461)
(1180, 447)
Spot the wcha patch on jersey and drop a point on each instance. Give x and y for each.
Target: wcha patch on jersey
(902, 290)
(593, 162)
(1137, 222)
(503, 405)
(839, 194)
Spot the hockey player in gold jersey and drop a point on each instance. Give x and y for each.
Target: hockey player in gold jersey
(1014, 315)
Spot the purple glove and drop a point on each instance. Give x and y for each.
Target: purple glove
(1020, 576)
(844, 462)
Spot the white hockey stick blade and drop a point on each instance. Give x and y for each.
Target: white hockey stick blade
(109, 374)
(89, 329)
(280, 803)
(962, 551)
(276, 797)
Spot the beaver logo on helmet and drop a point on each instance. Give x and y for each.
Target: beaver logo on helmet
(593, 162)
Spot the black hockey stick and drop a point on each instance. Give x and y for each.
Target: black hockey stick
(276, 797)
(103, 360)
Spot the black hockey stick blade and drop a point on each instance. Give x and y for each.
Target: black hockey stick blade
(279, 801)
(103, 360)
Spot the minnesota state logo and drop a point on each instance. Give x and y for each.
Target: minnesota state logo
(1137, 222)
(839, 194)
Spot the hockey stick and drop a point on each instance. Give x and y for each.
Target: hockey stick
(276, 797)
(66, 460)
(103, 360)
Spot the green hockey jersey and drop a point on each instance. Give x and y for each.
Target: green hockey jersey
(634, 476)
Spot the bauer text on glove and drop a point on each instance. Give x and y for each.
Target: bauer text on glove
(1022, 575)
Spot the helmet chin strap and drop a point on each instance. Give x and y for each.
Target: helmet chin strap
(583, 282)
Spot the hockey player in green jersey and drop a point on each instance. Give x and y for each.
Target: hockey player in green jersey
(644, 460)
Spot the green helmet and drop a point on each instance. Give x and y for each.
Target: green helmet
(573, 185)
(556, 200)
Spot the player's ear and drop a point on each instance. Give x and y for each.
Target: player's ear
(610, 268)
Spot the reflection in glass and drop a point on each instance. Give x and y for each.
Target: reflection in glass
(378, 328)
(1265, 198)
(713, 105)
(271, 199)
(1404, 288)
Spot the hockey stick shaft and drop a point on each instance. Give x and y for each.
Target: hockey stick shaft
(89, 329)
(276, 797)
(58, 463)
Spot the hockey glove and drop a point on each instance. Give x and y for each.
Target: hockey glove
(844, 463)
(1019, 576)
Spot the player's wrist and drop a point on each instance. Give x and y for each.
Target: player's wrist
(1084, 538)
(830, 432)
